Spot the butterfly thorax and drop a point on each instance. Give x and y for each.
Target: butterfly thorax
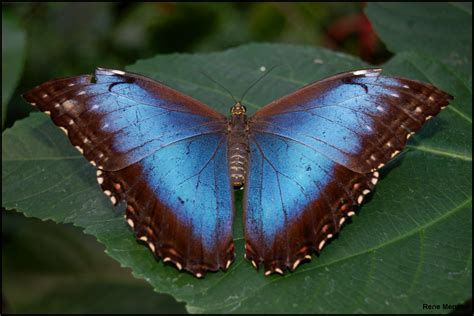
(238, 145)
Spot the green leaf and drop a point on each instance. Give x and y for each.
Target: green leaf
(13, 56)
(49, 268)
(411, 244)
(442, 30)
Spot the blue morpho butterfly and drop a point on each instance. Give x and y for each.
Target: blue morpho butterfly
(306, 160)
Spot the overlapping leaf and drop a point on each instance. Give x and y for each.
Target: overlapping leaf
(442, 30)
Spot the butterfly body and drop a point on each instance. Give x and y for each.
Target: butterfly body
(306, 161)
(238, 146)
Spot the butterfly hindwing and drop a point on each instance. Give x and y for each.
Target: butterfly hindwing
(296, 199)
(161, 151)
(315, 155)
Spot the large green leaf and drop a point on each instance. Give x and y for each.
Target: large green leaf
(410, 244)
(13, 51)
(442, 30)
(49, 268)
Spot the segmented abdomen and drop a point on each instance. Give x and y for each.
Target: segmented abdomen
(238, 149)
(238, 161)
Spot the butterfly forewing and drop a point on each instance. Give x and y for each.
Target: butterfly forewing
(163, 152)
(315, 155)
(358, 119)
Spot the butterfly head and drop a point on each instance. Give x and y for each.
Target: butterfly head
(238, 109)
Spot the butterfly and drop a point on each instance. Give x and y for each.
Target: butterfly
(305, 161)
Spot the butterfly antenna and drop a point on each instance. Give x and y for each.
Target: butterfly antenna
(256, 81)
(217, 83)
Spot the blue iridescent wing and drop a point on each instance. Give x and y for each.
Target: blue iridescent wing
(162, 152)
(314, 155)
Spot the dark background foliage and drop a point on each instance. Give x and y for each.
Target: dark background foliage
(43, 262)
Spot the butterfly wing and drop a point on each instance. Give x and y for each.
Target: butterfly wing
(161, 151)
(315, 154)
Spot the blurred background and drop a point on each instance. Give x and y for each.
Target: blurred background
(53, 268)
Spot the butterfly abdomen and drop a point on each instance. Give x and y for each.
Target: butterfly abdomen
(238, 149)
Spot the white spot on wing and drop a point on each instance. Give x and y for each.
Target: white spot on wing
(321, 245)
(360, 72)
(69, 104)
(263, 68)
(296, 264)
(81, 93)
(342, 220)
(367, 72)
(152, 247)
(118, 72)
